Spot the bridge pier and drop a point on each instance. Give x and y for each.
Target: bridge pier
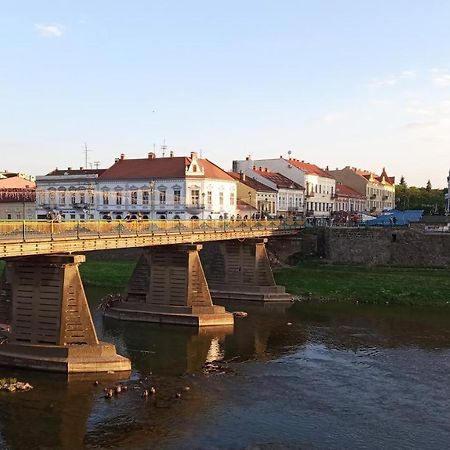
(51, 325)
(240, 271)
(169, 286)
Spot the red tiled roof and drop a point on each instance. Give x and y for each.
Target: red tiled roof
(170, 167)
(281, 181)
(308, 168)
(343, 190)
(251, 183)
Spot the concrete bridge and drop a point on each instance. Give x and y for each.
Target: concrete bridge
(43, 302)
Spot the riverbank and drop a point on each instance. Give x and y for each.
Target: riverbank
(318, 280)
(377, 285)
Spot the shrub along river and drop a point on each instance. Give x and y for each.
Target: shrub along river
(328, 376)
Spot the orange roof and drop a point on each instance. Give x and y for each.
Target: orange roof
(308, 168)
(343, 190)
(280, 181)
(16, 183)
(170, 167)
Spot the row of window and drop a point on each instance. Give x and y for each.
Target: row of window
(380, 192)
(119, 196)
(352, 206)
(319, 189)
(72, 198)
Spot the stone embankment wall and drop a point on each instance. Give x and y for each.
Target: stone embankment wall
(405, 247)
(375, 246)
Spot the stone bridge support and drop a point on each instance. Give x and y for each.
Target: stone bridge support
(240, 271)
(51, 325)
(168, 286)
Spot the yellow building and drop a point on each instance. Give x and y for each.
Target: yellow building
(379, 190)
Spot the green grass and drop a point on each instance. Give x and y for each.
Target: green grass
(402, 286)
(408, 286)
(113, 274)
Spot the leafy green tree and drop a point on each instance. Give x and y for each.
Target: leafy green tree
(431, 201)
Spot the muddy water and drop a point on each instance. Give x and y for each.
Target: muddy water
(320, 377)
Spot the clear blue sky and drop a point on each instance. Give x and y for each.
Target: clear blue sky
(337, 82)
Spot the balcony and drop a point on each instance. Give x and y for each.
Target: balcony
(373, 197)
(310, 194)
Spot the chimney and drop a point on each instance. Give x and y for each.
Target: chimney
(69, 168)
(122, 156)
(171, 153)
(193, 155)
(151, 155)
(242, 176)
(81, 168)
(281, 157)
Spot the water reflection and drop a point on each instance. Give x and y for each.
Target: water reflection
(167, 350)
(54, 414)
(307, 367)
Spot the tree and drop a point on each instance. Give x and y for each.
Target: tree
(428, 188)
(403, 181)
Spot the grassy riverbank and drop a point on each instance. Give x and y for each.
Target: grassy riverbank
(407, 286)
(395, 285)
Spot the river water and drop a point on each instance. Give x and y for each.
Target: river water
(323, 376)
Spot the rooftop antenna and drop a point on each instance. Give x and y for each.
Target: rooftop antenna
(86, 151)
(201, 153)
(164, 148)
(96, 164)
(289, 154)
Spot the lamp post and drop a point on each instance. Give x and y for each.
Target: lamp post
(203, 206)
(152, 190)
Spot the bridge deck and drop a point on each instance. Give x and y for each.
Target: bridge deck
(24, 238)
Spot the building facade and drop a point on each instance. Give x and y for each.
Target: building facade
(67, 194)
(259, 196)
(290, 195)
(17, 197)
(379, 190)
(165, 188)
(319, 185)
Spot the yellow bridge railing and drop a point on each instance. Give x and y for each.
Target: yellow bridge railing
(23, 231)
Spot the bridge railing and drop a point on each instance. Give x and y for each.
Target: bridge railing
(51, 230)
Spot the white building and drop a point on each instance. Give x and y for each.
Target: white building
(69, 194)
(319, 186)
(165, 188)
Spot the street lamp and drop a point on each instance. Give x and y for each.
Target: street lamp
(152, 190)
(203, 206)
